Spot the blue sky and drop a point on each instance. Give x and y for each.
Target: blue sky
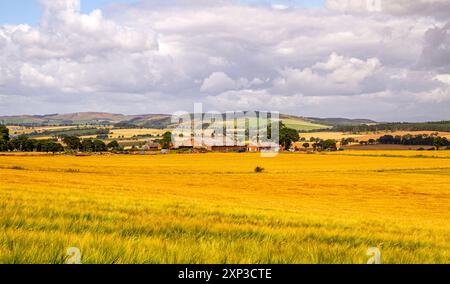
(28, 11)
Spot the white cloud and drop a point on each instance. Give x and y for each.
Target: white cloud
(338, 75)
(218, 82)
(435, 8)
(436, 50)
(437, 96)
(444, 78)
(33, 78)
(160, 57)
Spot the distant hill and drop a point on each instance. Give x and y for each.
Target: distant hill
(341, 121)
(94, 118)
(160, 121)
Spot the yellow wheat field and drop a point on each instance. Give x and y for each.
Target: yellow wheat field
(127, 133)
(213, 208)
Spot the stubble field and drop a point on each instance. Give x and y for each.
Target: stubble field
(213, 208)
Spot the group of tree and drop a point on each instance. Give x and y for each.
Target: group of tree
(320, 145)
(328, 144)
(314, 139)
(88, 145)
(348, 141)
(288, 136)
(24, 144)
(441, 126)
(421, 139)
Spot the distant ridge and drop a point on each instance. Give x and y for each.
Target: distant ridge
(341, 121)
(159, 120)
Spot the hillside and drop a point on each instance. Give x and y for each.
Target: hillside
(341, 121)
(94, 118)
(158, 121)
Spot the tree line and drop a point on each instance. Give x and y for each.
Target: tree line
(441, 126)
(24, 144)
(73, 143)
(421, 139)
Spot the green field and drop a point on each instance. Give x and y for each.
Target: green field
(303, 125)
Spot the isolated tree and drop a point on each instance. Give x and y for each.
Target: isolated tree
(288, 136)
(306, 146)
(315, 146)
(166, 141)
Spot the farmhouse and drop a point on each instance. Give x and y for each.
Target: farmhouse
(264, 147)
(227, 148)
(151, 146)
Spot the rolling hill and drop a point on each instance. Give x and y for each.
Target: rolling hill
(158, 121)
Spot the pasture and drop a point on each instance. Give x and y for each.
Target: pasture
(214, 208)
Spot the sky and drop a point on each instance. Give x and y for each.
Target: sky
(387, 60)
(29, 11)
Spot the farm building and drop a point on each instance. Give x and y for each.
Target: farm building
(265, 147)
(151, 146)
(227, 148)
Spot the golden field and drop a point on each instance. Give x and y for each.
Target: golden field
(213, 208)
(128, 133)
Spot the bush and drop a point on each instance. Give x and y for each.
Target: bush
(259, 170)
(17, 168)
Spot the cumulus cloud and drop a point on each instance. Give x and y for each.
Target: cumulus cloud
(218, 82)
(383, 60)
(433, 8)
(436, 50)
(444, 78)
(338, 75)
